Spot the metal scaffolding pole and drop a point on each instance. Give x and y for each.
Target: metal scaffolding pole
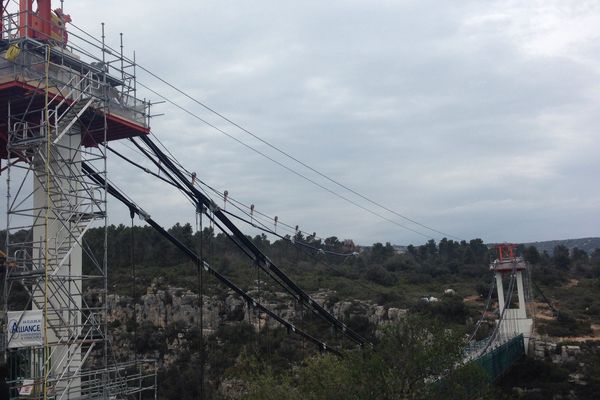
(56, 104)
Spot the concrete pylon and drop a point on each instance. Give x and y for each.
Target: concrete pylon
(514, 321)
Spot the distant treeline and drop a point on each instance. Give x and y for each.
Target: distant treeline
(380, 263)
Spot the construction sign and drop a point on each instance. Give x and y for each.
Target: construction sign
(25, 329)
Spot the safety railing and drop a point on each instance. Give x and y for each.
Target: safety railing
(110, 77)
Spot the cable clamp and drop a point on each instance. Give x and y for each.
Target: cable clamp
(144, 216)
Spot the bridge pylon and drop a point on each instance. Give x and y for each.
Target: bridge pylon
(61, 102)
(515, 314)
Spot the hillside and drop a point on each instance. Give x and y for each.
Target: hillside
(370, 288)
(586, 244)
(155, 313)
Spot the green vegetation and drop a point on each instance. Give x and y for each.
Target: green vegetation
(542, 379)
(565, 325)
(379, 274)
(539, 380)
(416, 359)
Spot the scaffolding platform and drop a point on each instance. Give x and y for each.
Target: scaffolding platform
(60, 104)
(70, 80)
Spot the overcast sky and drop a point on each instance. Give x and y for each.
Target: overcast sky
(477, 118)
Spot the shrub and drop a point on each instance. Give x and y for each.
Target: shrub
(565, 325)
(377, 274)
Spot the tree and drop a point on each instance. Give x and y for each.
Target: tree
(417, 359)
(595, 262)
(431, 247)
(579, 256)
(447, 248)
(411, 250)
(377, 274)
(560, 256)
(380, 253)
(479, 249)
(531, 255)
(333, 243)
(595, 257)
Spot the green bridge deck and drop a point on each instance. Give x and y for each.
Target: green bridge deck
(498, 361)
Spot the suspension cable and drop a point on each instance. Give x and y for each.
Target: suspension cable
(488, 302)
(213, 126)
(293, 171)
(554, 309)
(265, 263)
(288, 239)
(245, 245)
(277, 149)
(236, 203)
(95, 176)
(502, 314)
(133, 284)
(200, 277)
(258, 295)
(257, 225)
(234, 238)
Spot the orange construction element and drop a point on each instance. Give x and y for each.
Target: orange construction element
(42, 23)
(507, 260)
(506, 251)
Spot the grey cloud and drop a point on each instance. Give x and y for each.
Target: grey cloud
(460, 115)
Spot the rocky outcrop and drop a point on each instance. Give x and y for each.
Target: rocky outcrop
(163, 306)
(558, 354)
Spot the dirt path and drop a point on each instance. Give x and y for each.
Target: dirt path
(472, 299)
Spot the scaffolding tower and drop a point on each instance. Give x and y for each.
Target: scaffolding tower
(60, 104)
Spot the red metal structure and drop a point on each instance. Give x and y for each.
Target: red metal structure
(36, 24)
(507, 260)
(36, 29)
(506, 251)
(60, 103)
(42, 23)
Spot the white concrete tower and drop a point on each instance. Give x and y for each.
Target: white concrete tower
(58, 110)
(512, 269)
